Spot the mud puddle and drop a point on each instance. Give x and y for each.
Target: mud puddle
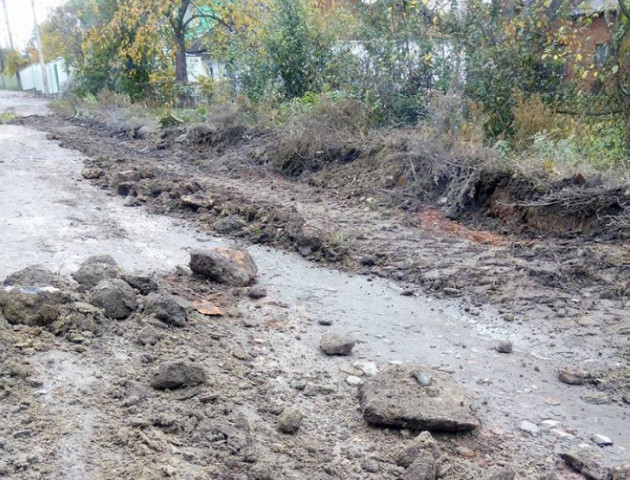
(52, 217)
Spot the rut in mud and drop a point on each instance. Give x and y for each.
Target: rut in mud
(91, 397)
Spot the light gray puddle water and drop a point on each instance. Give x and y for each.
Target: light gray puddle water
(48, 215)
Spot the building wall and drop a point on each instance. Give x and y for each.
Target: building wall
(597, 33)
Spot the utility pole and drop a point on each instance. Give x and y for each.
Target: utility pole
(6, 18)
(40, 50)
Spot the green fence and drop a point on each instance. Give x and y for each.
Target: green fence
(9, 82)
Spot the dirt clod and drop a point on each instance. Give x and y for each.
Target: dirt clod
(394, 398)
(290, 420)
(115, 297)
(228, 265)
(166, 309)
(334, 343)
(95, 269)
(173, 375)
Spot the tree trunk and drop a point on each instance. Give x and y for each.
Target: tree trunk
(181, 68)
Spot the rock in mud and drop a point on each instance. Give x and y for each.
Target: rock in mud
(31, 276)
(35, 306)
(78, 316)
(504, 346)
(503, 473)
(95, 269)
(601, 440)
(148, 336)
(337, 344)
(115, 297)
(142, 283)
(257, 292)
(290, 420)
(166, 309)
(197, 200)
(91, 173)
(229, 224)
(173, 375)
(228, 265)
(394, 398)
(572, 377)
(529, 427)
(423, 468)
(315, 233)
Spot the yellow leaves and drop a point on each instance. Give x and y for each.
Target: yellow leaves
(579, 57)
(615, 69)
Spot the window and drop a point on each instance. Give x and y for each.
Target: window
(602, 50)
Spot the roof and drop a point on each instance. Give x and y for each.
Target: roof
(590, 7)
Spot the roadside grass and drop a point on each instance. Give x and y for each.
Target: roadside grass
(8, 116)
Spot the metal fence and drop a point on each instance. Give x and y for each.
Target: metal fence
(9, 82)
(32, 78)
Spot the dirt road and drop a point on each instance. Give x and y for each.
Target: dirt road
(77, 429)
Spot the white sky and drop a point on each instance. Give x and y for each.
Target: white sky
(21, 20)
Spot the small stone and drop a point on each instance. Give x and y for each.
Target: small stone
(115, 297)
(142, 283)
(172, 375)
(132, 202)
(601, 440)
(229, 224)
(529, 427)
(148, 336)
(257, 292)
(325, 321)
(423, 468)
(96, 269)
(504, 346)
(368, 368)
(368, 261)
(370, 465)
(508, 317)
(503, 473)
(290, 420)
(91, 173)
(240, 354)
(597, 399)
(166, 309)
(352, 380)
(464, 452)
(31, 276)
(424, 378)
(571, 377)
(337, 344)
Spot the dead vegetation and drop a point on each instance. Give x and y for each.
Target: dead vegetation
(331, 143)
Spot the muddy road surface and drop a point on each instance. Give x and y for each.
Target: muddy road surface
(80, 404)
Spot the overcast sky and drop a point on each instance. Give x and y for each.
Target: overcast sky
(21, 20)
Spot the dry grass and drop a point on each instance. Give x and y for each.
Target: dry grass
(329, 132)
